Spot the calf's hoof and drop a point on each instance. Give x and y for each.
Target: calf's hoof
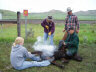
(62, 66)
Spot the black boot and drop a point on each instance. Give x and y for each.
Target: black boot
(77, 58)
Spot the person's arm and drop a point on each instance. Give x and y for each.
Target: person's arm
(65, 25)
(43, 24)
(53, 28)
(77, 24)
(27, 54)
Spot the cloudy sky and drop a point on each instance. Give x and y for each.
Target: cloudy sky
(46, 5)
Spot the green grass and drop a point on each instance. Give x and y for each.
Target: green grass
(87, 32)
(87, 48)
(86, 51)
(55, 16)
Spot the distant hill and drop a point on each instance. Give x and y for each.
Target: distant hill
(8, 14)
(51, 11)
(55, 11)
(57, 14)
(89, 12)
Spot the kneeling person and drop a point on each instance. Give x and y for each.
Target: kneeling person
(71, 43)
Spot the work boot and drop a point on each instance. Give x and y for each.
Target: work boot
(77, 58)
(62, 66)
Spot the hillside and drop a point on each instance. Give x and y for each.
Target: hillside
(57, 14)
(89, 12)
(8, 14)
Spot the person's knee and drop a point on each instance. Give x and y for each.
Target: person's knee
(69, 53)
(37, 58)
(46, 63)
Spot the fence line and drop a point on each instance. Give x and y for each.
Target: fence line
(14, 22)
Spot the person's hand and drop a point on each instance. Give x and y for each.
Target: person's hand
(48, 58)
(64, 43)
(77, 31)
(49, 33)
(36, 54)
(64, 30)
(47, 27)
(29, 52)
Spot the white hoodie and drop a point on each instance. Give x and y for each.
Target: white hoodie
(18, 55)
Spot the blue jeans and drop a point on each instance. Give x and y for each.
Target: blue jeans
(69, 53)
(50, 38)
(27, 64)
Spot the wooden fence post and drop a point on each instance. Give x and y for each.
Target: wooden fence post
(18, 24)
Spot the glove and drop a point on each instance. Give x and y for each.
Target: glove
(47, 27)
(64, 43)
(49, 33)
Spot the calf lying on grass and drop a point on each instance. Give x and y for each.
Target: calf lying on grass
(61, 54)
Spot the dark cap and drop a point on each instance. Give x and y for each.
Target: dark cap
(50, 17)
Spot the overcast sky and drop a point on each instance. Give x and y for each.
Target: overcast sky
(46, 5)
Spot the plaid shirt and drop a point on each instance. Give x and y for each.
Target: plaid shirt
(73, 22)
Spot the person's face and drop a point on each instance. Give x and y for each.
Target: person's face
(49, 20)
(22, 43)
(70, 13)
(71, 31)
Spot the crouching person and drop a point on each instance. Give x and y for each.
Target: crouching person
(19, 54)
(71, 44)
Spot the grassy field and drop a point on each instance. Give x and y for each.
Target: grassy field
(59, 16)
(87, 32)
(87, 48)
(55, 16)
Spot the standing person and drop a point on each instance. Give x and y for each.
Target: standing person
(70, 21)
(19, 54)
(49, 29)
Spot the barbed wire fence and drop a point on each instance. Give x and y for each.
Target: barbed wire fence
(32, 22)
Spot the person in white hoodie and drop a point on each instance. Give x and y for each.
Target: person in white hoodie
(19, 54)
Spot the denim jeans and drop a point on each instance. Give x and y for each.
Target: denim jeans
(69, 53)
(50, 38)
(27, 64)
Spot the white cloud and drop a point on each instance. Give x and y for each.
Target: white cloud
(46, 5)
